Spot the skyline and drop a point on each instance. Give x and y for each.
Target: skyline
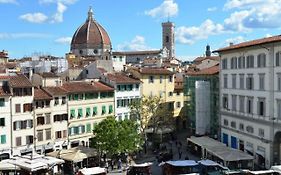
(47, 26)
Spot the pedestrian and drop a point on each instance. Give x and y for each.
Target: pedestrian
(180, 144)
(112, 165)
(119, 164)
(180, 153)
(106, 166)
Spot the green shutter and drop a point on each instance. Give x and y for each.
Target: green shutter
(88, 127)
(88, 112)
(69, 97)
(110, 109)
(75, 96)
(3, 139)
(72, 113)
(95, 111)
(103, 111)
(80, 113)
(2, 102)
(94, 125)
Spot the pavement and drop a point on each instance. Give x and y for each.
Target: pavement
(150, 157)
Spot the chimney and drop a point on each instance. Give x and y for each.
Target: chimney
(231, 44)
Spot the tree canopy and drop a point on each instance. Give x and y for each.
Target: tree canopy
(116, 137)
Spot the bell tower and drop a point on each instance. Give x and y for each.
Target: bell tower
(168, 37)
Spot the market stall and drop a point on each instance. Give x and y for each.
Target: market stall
(179, 167)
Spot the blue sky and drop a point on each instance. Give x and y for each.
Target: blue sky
(46, 26)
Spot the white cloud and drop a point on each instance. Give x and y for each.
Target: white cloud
(63, 40)
(235, 21)
(23, 35)
(168, 8)
(34, 17)
(268, 35)
(8, 2)
(230, 4)
(58, 16)
(235, 40)
(189, 35)
(138, 43)
(212, 9)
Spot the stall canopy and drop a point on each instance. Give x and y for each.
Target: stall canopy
(182, 163)
(208, 162)
(142, 164)
(34, 163)
(91, 171)
(6, 166)
(74, 154)
(219, 149)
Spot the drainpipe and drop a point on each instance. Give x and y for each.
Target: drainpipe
(11, 125)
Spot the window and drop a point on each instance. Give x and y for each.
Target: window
(241, 79)
(63, 100)
(224, 63)
(178, 93)
(178, 104)
(170, 94)
(279, 81)
(2, 102)
(225, 80)
(233, 124)
(72, 113)
(56, 101)
(110, 109)
(88, 112)
(18, 141)
(250, 61)
(161, 79)
(250, 82)
(167, 39)
(58, 135)
(241, 126)
(80, 113)
(261, 132)
(151, 79)
(225, 102)
(64, 133)
(40, 136)
(241, 62)
(18, 108)
(171, 79)
(261, 106)
(277, 59)
(40, 120)
(250, 105)
(233, 63)
(234, 97)
(262, 60)
(88, 128)
(103, 110)
(234, 81)
(137, 86)
(48, 118)
(261, 81)
(241, 104)
(250, 129)
(3, 139)
(27, 107)
(48, 134)
(225, 122)
(17, 125)
(29, 139)
(279, 109)
(95, 111)
(2, 121)
(171, 106)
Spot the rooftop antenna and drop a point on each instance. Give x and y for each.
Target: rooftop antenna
(168, 17)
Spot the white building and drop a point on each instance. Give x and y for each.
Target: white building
(250, 83)
(126, 89)
(5, 119)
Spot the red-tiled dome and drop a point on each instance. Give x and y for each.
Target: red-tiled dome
(90, 33)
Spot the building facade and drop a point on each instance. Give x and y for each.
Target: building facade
(250, 82)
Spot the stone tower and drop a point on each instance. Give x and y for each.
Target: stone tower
(208, 51)
(168, 37)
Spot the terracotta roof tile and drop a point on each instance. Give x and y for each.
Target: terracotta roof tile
(200, 59)
(142, 52)
(40, 94)
(272, 39)
(48, 75)
(19, 81)
(55, 91)
(76, 87)
(155, 71)
(208, 71)
(121, 78)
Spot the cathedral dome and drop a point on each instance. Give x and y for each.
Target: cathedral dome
(90, 38)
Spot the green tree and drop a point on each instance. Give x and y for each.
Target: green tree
(152, 112)
(116, 137)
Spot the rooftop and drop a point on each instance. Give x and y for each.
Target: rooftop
(272, 39)
(55, 91)
(20, 81)
(121, 78)
(155, 71)
(208, 71)
(76, 87)
(40, 94)
(142, 52)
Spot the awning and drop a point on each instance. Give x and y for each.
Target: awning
(142, 164)
(92, 171)
(5, 166)
(208, 163)
(260, 152)
(182, 163)
(249, 148)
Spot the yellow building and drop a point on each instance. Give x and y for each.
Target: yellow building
(160, 82)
